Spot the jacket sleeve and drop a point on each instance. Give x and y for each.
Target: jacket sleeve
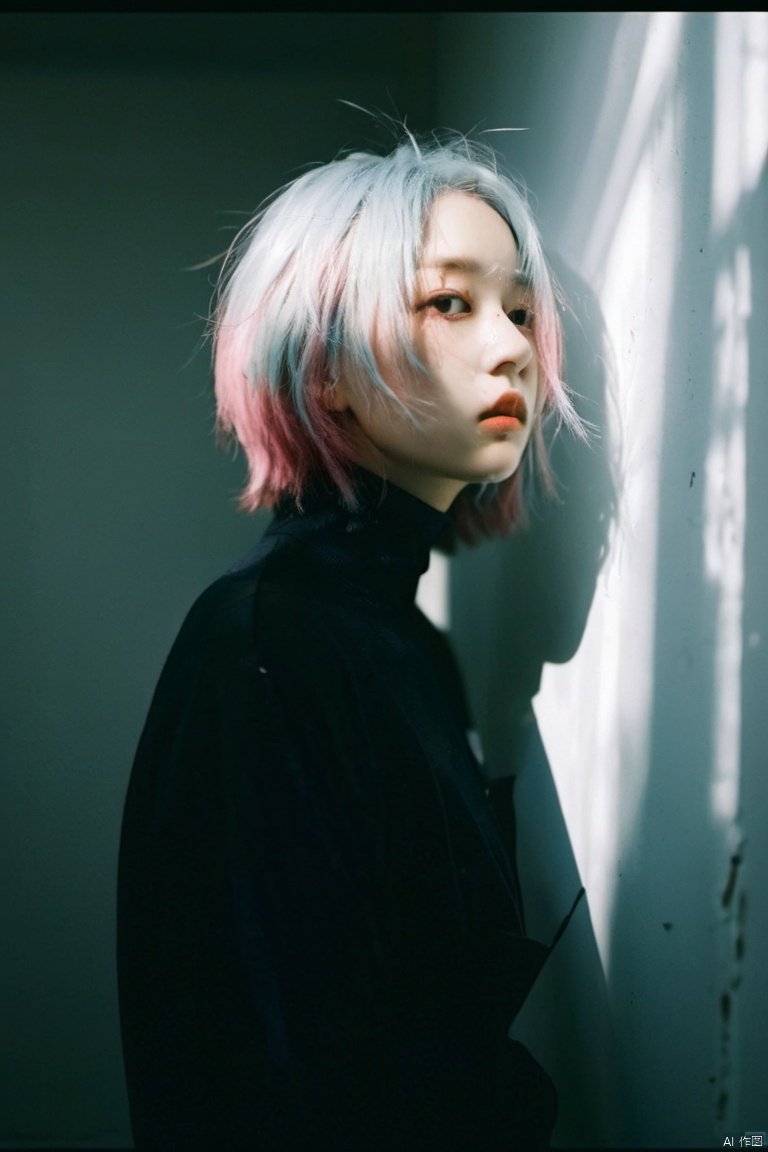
(252, 935)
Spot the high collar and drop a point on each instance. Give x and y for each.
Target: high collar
(380, 549)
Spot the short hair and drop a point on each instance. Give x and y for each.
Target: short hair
(322, 272)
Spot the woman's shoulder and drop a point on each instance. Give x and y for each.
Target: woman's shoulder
(242, 668)
(262, 608)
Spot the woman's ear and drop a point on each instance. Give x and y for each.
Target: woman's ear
(336, 396)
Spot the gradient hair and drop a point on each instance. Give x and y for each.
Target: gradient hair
(323, 274)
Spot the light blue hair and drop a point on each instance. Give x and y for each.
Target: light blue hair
(325, 271)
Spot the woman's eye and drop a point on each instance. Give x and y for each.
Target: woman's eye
(522, 317)
(449, 305)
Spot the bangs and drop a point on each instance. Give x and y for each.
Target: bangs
(324, 276)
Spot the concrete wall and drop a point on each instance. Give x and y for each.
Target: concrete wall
(645, 150)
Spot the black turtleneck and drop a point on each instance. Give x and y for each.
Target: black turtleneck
(321, 940)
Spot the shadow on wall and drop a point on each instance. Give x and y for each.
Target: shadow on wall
(685, 940)
(654, 169)
(661, 921)
(752, 933)
(515, 605)
(544, 575)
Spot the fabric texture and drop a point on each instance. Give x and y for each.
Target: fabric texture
(321, 937)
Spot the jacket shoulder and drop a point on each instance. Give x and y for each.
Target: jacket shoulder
(253, 643)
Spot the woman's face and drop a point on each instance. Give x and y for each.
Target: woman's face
(471, 327)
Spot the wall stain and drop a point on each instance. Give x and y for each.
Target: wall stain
(733, 903)
(730, 883)
(721, 1105)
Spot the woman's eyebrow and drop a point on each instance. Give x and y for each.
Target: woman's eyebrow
(475, 268)
(456, 264)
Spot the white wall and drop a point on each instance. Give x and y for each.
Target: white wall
(645, 150)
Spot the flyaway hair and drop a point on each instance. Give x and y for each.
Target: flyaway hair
(325, 273)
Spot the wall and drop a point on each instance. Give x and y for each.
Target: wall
(645, 149)
(131, 148)
(127, 141)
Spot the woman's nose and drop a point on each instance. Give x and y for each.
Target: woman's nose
(508, 343)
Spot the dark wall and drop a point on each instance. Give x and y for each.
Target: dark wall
(132, 147)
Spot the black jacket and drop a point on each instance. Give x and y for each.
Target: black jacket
(321, 940)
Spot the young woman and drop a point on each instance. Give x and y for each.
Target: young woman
(321, 934)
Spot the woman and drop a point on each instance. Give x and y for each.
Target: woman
(321, 936)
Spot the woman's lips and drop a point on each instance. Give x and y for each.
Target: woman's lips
(509, 413)
(501, 424)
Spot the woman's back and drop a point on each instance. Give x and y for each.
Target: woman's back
(321, 939)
